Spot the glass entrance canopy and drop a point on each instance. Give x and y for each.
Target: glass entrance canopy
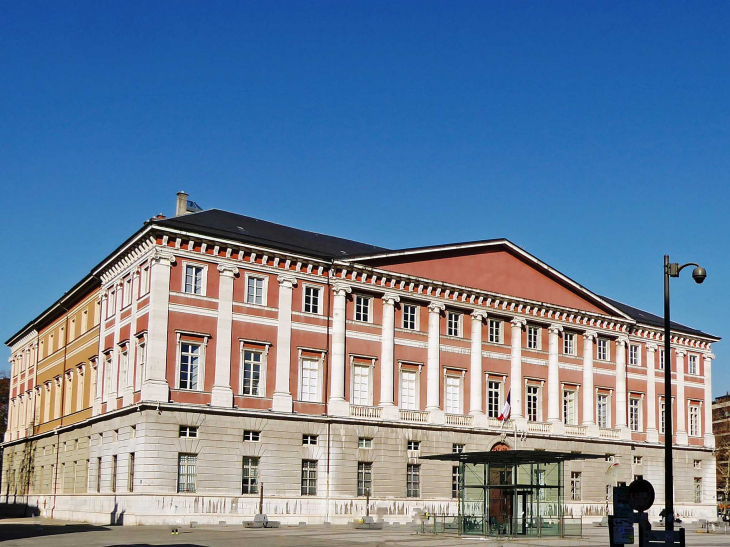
(515, 492)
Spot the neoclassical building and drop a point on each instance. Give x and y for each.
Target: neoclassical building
(213, 353)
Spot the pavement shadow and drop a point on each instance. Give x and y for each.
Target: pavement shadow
(35, 529)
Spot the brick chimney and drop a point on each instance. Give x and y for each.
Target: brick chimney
(181, 208)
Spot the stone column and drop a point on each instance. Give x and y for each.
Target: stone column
(337, 404)
(99, 369)
(222, 394)
(621, 423)
(680, 402)
(155, 387)
(516, 373)
(589, 396)
(554, 397)
(128, 393)
(652, 433)
(476, 374)
(282, 391)
(387, 347)
(709, 436)
(433, 387)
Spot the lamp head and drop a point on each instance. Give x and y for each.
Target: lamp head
(699, 274)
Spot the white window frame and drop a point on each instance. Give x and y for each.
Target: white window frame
(254, 436)
(459, 324)
(607, 356)
(576, 486)
(124, 361)
(661, 409)
(366, 363)
(574, 393)
(661, 359)
(319, 360)
(140, 360)
(459, 377)
(416, 315)
(569, 344)
(144, 279)
(499, 380)
(203, 278)
(255, 348)
(365, 443)
(696, 358)
(127, 292)
(202, 341)
(608, 409)
(111, 310)
(538, 392)
(369, 300)
(697, 492)
(538, 337)
(638, 460)
(264, 288)
(698, 408)
(310, 287)
(417, 387)
(498, 325)
(635, 360)
(638, 400)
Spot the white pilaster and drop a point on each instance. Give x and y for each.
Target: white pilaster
(222, 394)
(589, 396)
(554, 397)
(387, 346)
(516, 385)
(155, 386)
(436, 414)
(111, 403)
(621, 423)
(476, 374)
(128, 393)
(98, 370)
(652, 433)
(282, 391)
(337, 405)
(680, 401)
(709, 436)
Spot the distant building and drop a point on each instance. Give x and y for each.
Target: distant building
(211, 353)
(721, 429)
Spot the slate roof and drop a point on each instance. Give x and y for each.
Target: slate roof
(216, 222)
(646, 318)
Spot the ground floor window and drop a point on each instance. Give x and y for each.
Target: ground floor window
(698, 490)
(114, 473)
(413, 481)
(250, 476)
(309, 477)
(575, 486)
(187, 472)
(455, 475)
(364, 478)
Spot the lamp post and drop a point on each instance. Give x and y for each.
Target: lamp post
(671, 269)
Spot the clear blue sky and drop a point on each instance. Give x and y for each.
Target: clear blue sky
(594, 134)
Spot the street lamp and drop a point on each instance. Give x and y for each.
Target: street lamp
(671, 269)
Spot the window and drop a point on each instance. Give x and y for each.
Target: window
(141, 358)
(144, 281)
(692, 365)
(602, 410)
(98, 475)
(634, 355)
(310, 380)
(361, 385)
(575, 486)
(364, 442)
(694, 420)
(635, 414)
(532, 403)
(569, 343)
(533, 337)
(495, 331)
(494, 390)
(309, 478)
(186, 472)
(413, 481)
(111, 306)
(114, 473)
(602, 350)
(255, 290)
(251, 436)
(132, 434)
(309, 440)
(540, 481)
(637, 460)
(123, 362)
(453, 324)
(311, 299)
(115, 435)
(661, 359)
(569, 414)
(193, 279)
(457, 448)
(662, 417)
(84, 321)
(130, 474)
(362, 308)
(252, 373)
(364, 478)
(698, 490)
(638, 477)
(250, 476)
(408, 390)
(610, 458)
(188, 431)
(697, 464)
(453, 394)
(413, 445)
(410, 316)
(455, 478)
(127, 292)
(189, 365)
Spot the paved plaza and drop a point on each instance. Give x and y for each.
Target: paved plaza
(39, 532)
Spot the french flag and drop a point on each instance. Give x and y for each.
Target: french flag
(505, 411)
